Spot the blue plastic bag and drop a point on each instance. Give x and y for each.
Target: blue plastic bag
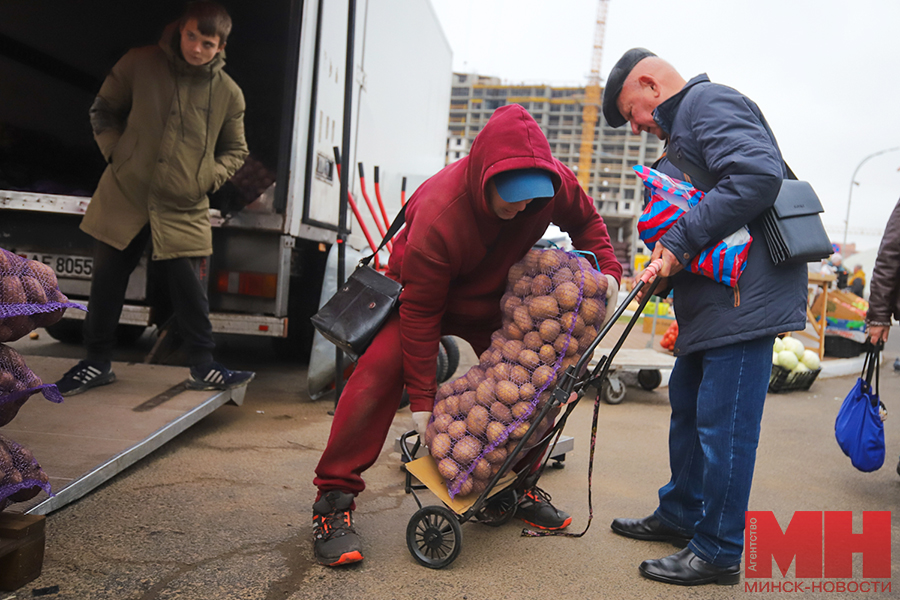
(858, 427)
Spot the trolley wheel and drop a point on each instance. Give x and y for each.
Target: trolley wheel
(649, 379)
(499, 510)
(613, 390)
(434, 536)
(442, 365)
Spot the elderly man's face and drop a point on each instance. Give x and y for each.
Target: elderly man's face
(637, 101)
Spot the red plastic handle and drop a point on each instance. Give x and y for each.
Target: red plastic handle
(652, 270)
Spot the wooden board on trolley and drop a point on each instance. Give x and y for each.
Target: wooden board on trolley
(425, 470)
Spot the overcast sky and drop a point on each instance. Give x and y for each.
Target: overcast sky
(826, 74)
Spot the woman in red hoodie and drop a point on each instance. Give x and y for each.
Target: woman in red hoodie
(465, 227)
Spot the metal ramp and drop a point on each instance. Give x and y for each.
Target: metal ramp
(91, 437)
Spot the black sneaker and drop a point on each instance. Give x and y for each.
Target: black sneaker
(535, 509)
(85, 375)
(213, 376)
(335, 541)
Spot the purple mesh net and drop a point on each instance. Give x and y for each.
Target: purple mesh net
(21, 477)
(18, 383)
(552, 309)
(29, 296)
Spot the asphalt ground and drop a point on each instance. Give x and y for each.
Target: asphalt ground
(223, 511)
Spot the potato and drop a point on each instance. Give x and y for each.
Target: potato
(562, 276)
(500, 372)
(586, 338)
(485, 393)
(34, 291)
(7, 382)
(527, 392)
(512, 348)
(543, 377)
(481, 469)
(549, 329)
(507, 391)
(457, 430)
(448, 469)
(551, 260)
(516, 272)
(479, 485)
(509, 303)
(532, 261)
(541, 285)
(451, 405)
(567, 295)
(440, 445)
(519, 374)
(522, 318)
(48, 318)
(430, 432)
(548, 354)
(501, 412)
(477, 420)
(17, 327)
(439, 408)
(512, 331)
(497, 455)
(529, 359)
(496, 432)
(533, 341)
(591, 311)
(466, 450)
(11, 290)
(442, 422)
(466, 402)
(460, 384)
(464, 483)
(522, 287)
(579, 263)
(543, 307)
(475, 377)
(521, 410)
(445, 390)
(566, 343)
(519, 431)
(572, 322)
(591, 283)
(44, 273)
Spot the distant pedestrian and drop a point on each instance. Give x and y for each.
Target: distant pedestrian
(857, 281)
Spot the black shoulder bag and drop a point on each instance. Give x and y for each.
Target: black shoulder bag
(792, 227)
(351, 318)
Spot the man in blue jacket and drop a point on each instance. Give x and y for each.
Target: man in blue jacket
(724, 349)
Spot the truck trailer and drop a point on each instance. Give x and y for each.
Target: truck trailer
(275, 221)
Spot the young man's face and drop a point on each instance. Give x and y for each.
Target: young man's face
(637, 101)
(196, 48)
(500, 207)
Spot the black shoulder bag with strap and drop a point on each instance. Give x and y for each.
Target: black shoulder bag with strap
(792, 227)
(351, 318)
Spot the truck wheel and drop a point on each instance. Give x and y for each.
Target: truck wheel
(67, 331)
(649, 379)
(452, 349)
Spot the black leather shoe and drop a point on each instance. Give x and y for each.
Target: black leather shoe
(649, 529)
(686, 568)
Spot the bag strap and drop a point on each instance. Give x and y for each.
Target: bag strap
(391, 232)
(871, 367)
(700, 175)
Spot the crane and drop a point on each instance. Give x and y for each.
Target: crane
(592, 99)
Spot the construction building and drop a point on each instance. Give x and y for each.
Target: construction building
(612, 184)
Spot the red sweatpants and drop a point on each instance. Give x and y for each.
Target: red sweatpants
(367, 408)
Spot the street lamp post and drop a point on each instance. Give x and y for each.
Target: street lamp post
(853, 182)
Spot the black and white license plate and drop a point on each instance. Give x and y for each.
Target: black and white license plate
(73, 267)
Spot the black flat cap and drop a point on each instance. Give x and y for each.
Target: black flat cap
(617, 77)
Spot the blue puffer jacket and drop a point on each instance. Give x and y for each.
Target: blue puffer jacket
(724, 133)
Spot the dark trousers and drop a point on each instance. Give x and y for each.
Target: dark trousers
(186, 279)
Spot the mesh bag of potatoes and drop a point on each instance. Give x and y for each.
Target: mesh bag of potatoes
(18, 383)
(21, 476)
(29, 296)
(552, 310)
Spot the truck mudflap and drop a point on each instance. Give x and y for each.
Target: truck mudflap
(90, 438)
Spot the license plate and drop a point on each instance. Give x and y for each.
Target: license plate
(72, 267)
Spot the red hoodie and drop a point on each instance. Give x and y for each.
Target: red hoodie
(454, 254)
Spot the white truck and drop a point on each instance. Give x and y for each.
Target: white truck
(288, 56)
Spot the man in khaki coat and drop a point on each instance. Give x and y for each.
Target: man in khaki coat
(170, 123)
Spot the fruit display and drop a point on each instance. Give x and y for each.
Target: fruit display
(29, 296)
(21, 477)
(552, 310)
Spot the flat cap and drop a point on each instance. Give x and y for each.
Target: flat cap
(617, 78)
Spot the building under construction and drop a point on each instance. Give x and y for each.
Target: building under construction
(559, 111)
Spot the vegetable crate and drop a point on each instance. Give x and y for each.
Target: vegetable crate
(785, 380)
